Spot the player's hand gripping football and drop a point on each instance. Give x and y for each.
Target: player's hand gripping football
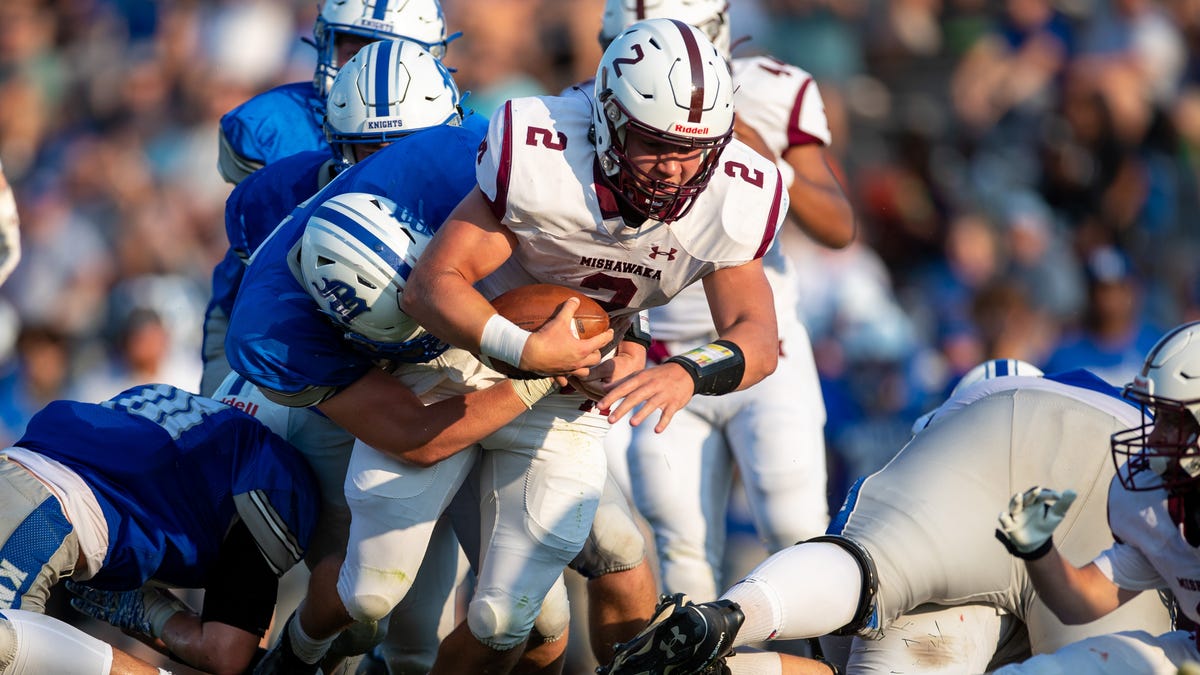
(144, 611)
(555, 348)
(1027, 527)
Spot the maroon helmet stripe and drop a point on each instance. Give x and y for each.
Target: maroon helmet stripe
(641, 9)
(693, 53)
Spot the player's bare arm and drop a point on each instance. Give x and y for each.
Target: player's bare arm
(440, 293)
(1076, 595)
(817, 200)
(407, 429)
(743, 311)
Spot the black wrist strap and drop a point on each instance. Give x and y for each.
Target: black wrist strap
(716, 368)
(639, 330)
(1031, 555)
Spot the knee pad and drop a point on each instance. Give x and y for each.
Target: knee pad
(551, 623)
(870, 582)
(367, 603)
(615, 543)
(498, 621)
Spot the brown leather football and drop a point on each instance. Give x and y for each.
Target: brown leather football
(530, 307)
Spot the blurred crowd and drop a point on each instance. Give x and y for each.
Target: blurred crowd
(1022, 172)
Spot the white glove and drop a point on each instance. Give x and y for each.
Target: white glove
(532, 391)
(1026, 528)
(144, 611)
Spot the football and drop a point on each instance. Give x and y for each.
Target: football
(531, 306)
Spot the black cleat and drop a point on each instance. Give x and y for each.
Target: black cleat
(682, 638)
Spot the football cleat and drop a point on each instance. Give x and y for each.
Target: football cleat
(682, 638)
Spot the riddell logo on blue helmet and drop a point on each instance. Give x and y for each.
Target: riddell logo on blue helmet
(343, 301)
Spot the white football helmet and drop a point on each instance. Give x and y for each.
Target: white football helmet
(355, 256)
(1168, 390)
(661, 80)
(710, 16)
(416, 20)
(988, 370)
(388, 90)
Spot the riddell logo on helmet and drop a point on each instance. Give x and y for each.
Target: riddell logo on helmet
(685, 129)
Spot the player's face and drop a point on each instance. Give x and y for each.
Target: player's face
(364, 150)
(348, 46)
(663, 161)
(1175, 430)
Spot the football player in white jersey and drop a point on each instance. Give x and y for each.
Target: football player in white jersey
(910, 567)
(774, 431)
(10, 235)
(628, 196)
(1155, 522)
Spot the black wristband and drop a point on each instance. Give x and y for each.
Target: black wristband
(639, 331)
(716, 368)
(1031, 555)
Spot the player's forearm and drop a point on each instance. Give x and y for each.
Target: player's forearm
(450, 426)
(1074, 595)
(758, 339)
(817, 201)
(445, 304)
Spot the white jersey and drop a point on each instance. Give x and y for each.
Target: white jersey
(533, 167)
(1150, 551)
(783, 105)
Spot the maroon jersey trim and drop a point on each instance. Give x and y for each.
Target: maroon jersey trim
(772, 218)
(795, 135)
(504, 170)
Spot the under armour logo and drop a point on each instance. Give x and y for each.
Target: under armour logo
(677, 640)
(343, 301)
(655, 251)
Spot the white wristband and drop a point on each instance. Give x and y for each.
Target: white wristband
(504, 340)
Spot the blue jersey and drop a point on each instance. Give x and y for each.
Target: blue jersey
(277, 123)
(253, 210)
(278, 337)
(171, 471)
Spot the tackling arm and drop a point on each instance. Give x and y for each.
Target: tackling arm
(407, 429)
